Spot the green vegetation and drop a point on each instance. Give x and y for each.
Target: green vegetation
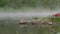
(35, 17)
(52, 4)
(57, 19)
(3, 3)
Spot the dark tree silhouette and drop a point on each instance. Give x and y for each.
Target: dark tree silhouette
(2, 3)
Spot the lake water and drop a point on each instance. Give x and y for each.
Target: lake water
(24, 14)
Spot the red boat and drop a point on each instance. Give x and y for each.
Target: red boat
(56, 15)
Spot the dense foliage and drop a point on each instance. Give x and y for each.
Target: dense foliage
(30, 3)
(3, 3)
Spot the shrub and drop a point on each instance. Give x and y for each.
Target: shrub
(35, 18)
(57, 19)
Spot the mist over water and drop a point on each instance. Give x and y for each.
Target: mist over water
(25, 13)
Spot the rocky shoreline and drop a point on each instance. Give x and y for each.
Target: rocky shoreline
(38, 23)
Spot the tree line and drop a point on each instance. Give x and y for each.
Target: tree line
(29, 3)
